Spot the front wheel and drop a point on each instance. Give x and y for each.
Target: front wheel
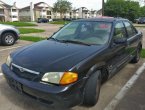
(92, 90)
(8, 39)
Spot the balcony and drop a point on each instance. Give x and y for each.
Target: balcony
(2, 11)
(14, 13)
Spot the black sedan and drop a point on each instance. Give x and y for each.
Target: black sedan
(68, 68)
(43, 20)
(141, 20)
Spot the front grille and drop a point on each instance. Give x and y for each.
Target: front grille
(25, 73)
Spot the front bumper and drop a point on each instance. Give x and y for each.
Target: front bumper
(56, 96)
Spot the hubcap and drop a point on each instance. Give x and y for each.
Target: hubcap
(9, 39)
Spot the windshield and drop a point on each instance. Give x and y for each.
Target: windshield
(85, 32)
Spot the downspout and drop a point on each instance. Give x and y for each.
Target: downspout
(32, 11)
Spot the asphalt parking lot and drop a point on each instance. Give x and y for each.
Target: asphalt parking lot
(49, 30)
(10, 100)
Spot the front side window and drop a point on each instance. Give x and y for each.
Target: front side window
(87, 32)
(130, 30)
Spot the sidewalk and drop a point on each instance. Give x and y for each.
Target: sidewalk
(135, 98)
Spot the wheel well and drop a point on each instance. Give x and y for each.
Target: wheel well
(105, 74)
(140, 46)
(10, 31)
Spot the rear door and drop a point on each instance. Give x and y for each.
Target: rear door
(132, 38)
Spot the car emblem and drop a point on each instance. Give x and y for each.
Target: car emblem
(21, 70)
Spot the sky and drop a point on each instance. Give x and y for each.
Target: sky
(90, 4)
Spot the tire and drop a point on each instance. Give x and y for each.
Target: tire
(92, 90)
(137, 57)
(8, 39)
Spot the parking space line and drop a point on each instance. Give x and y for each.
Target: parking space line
(10, 48)
(112, 105)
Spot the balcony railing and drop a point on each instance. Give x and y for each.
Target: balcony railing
(14, 13)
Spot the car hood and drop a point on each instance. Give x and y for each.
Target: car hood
(2, 26)
(52, 56)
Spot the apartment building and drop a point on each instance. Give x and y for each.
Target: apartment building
(81, 12)
(8, 12)
(41, 10)
(35, 11)
(75, 13)
(93, 13)
(99, 12)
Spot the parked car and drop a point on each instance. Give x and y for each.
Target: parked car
(136, 20)
(50, 20)
(141, 20)
(43, 20)
(8, 34)
(68, 68)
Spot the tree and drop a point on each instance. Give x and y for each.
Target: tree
(62, 6)
(122, 8)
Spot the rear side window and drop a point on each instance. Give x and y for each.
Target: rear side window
(130, 29)
(119, 31)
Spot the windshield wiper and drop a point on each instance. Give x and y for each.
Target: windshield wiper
(55, 39)
(76, 42)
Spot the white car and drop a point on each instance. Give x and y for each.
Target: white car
(8, 35)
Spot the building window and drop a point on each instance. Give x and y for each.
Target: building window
(14, 10)
(13, 16)
(48, 12)
(1, 11)
(49, 17)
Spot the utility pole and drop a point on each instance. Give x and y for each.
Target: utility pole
(103, 7)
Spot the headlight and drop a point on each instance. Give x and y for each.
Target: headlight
(9, 60)
(62, 78)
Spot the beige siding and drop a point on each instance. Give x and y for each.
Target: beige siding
(37, 14)
(7, 15)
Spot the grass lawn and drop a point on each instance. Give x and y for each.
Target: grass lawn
(19, 24)
(31, 38)
(30, 30)
(60, 22)
(143, 53)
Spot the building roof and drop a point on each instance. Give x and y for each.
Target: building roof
(99, 11)
(6, 5)
(35, 5)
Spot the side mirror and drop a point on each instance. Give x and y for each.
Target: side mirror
(120, 41)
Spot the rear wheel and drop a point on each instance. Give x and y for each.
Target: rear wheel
(92, 90)
(8, 39)
(137, 56)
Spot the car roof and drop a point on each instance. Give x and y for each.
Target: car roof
(104, 19)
